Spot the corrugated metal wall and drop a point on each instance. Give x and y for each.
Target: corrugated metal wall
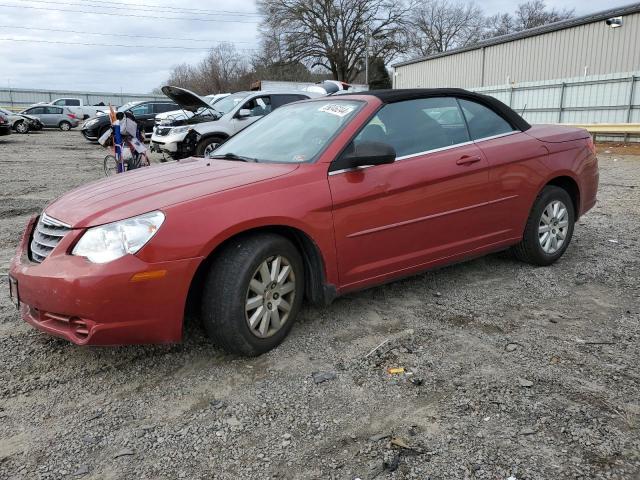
(19, 98)
(464, 72)
(554, 55)
(613, 98)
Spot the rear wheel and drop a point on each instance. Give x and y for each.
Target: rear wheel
(22, 127)
(253, 294)
(549, 228)
(64, 126)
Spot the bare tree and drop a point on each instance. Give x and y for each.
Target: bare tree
(531, 14)
(332, 34)
(500, 24)
(224, 69)
(534, 13)
(442, 25)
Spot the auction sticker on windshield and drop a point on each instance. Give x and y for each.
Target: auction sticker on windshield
(337, 109)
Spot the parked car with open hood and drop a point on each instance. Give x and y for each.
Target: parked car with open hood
(201, 134)
(53, 117)
(145, 113)
(319, 198)
(175, 116)
(20, 122)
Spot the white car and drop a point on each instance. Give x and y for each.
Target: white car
(211, 125)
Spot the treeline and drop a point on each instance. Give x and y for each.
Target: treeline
(313, 40)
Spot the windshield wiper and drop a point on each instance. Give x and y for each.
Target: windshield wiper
(233, 156)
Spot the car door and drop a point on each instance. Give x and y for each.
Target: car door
(258, 107)
(37, 112)
(429, 205)
(145, 116)
(52, 116)
(515, 161)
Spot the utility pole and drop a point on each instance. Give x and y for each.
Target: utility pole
(366, 56)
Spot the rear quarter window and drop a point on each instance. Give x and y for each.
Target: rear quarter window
(483, 122)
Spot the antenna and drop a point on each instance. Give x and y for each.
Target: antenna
(523, 110)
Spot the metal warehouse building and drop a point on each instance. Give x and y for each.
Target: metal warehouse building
(582, 70)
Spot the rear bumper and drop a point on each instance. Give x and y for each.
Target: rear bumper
(5, 129)
(100, 304)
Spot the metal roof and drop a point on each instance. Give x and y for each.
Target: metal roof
(532, 32)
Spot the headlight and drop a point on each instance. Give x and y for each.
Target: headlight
(91, 122)
(109, 242)
(184, 129)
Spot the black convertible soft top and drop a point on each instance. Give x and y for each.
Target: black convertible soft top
(400, 95)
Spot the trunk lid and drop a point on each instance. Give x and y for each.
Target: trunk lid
(557, 133)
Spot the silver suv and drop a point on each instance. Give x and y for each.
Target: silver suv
(211, 125)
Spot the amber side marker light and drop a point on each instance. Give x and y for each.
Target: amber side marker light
(152, 275)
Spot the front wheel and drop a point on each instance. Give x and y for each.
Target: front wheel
(253, 293)
(65, 126)
(207, 146)
(549, 228)
(22, 127)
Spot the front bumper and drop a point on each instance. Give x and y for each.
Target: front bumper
(101, 304)
(91, 134)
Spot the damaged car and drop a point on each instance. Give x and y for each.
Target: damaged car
(211, 125)
(22, 123)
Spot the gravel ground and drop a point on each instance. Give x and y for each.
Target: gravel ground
(517, 372)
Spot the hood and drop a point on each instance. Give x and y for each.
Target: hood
(185, 98)
(158, 187)
(29, 117)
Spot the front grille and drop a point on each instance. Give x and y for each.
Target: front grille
(46, 236)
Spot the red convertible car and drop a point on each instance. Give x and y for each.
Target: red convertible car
(319, 198)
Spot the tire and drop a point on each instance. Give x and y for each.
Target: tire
(206, 144)
(21, 127)
(64, 126)
(235, 279)
(537, 248)
(110, 165)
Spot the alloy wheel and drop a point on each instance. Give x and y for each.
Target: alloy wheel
(270, 296)
(208, 150)
(553, 227)
(22, 127)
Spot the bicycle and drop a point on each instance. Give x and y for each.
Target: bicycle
(132, 158)
(136, 160)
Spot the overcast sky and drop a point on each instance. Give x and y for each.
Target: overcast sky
(141, 65)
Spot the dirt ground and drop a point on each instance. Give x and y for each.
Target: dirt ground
(517, 372)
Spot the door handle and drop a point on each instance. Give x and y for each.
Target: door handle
(467, 160)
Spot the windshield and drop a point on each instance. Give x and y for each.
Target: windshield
(127, 106)
(294, 133)
(226, 104)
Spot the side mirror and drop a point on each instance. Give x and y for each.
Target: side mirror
(365, 154)
(244, 113)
